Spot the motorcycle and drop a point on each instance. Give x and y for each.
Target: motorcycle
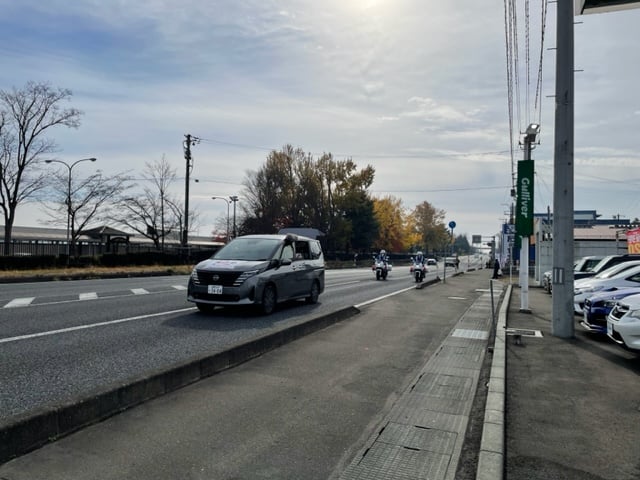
(419, 271)
(381, 268)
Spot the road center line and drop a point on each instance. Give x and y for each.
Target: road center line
(93, 325)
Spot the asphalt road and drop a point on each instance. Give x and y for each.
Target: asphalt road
(61, 340)
(300, 411)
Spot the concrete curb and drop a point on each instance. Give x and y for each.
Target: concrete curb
(492, 455)
(27, 432)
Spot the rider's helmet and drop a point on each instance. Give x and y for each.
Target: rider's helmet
(383, 252)
(419, 253)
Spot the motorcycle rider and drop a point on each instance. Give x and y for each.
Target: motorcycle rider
(382, 256)
(420, 258)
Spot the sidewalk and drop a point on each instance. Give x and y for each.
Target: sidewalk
(572, 405)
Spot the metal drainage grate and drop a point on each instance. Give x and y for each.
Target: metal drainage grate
(523, 332)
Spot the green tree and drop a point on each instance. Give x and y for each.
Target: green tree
(292, 189)
(390, 216)
(461, 244)
(430, 224)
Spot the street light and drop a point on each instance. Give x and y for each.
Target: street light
(234, 199)
(69, 168)
(228, 203)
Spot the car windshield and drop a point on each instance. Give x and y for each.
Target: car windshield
(251, 249)
(616, 269)
(598, 266)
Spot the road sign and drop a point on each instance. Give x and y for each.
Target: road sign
(452, 224)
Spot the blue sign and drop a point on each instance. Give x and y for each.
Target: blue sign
(452, 224)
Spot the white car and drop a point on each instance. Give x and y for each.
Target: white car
(623, 322)
(587, 287)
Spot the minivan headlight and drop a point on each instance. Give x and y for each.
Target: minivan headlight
(194, 275)
(244, 276)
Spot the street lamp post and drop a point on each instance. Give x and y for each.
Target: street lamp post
(69, 168)
(234, 199)
(228, 203)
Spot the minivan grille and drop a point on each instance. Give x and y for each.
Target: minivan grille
(226, 279)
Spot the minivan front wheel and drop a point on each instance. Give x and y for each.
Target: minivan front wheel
(314, 293)
(269, 299)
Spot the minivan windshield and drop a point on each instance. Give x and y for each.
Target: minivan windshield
(251, 249)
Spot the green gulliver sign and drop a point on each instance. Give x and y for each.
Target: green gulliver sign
(524, 202)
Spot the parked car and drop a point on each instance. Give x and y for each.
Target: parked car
(597, 308)
(609, 272)
(625, 279)
(583, 264)
(606, 262)
(260, 270)
(432, 261)
(623, 323)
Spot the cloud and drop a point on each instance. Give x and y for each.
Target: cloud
(417, 89)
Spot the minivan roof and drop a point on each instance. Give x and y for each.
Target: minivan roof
(278, 236)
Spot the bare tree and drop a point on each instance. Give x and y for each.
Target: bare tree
(26, 115)
(177, 210)
(83, 201)
(149, 213)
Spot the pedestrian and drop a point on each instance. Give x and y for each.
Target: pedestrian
(496, 269)
(457, 263)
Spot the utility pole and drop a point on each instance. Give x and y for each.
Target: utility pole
(189, 167)
(234, 199)
(563, 322)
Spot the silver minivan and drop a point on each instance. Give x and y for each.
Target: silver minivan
(261, 270)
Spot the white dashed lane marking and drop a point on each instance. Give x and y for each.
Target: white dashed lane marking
(20, 302)
(26, 301)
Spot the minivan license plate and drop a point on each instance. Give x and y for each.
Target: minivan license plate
(214, 289)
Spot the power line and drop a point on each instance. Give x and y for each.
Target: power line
(364, 155)
(437, 190)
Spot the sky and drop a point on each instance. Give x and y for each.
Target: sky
(416, 88)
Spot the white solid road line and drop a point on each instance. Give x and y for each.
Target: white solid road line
(88, 296)
(385, 296)
(92, 325)
(139, 291)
